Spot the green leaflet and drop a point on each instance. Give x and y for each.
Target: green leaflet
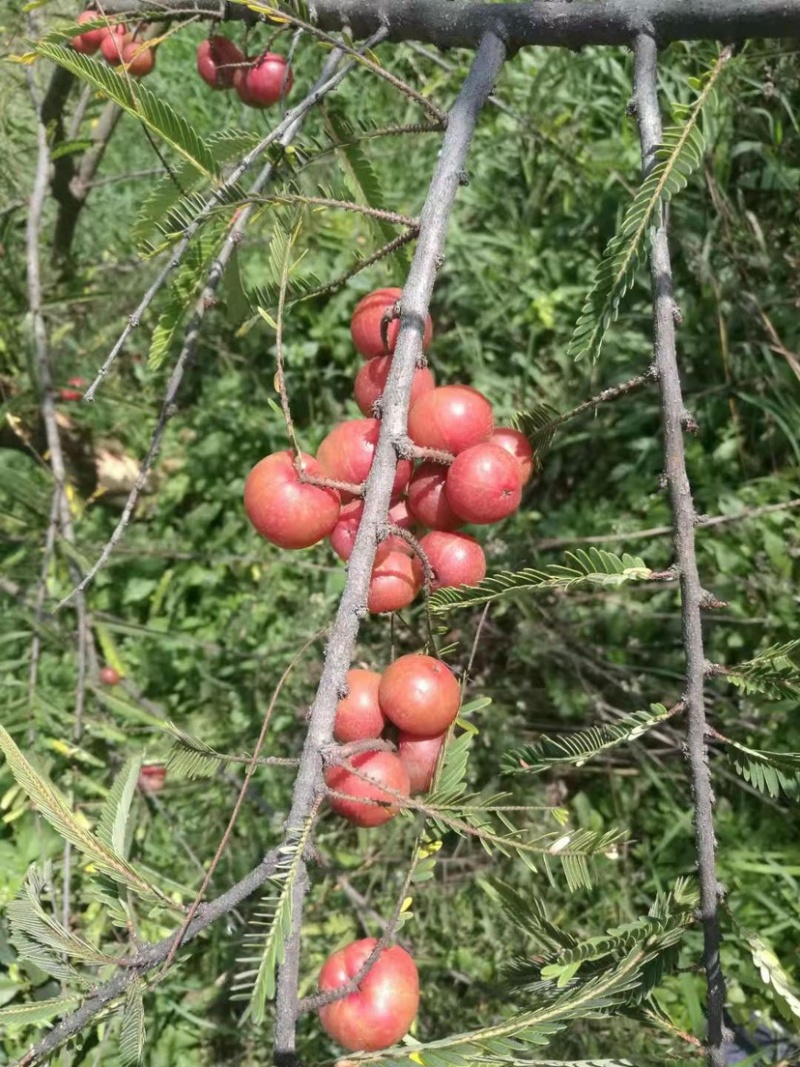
(773, 673)
(132, 1032)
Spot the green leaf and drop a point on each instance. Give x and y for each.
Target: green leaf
(132, 1032)
(773, 974)
(773, 673)
(113, 829)
(38, 1011)
(539, 425)
(595, 567)
(768, 772)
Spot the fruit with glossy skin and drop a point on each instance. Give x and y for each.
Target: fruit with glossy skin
(451, 418)
(419, 694)
(456, 559)
(420, 756)
(359, 715)
(284, 510)
(347, 452)
(139, 57)
(110, 676)
(371, 381)
(87, 43)
(427, 500)
(264, 82)
(343, 535)
(518, 445)
(383, 1007)
(484, 484)
(385, 771)
(393, 584)
(217, 61)
(365, 325)
(152, 777)
(111, 45)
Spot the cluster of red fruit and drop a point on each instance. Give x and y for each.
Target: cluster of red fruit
(117, 45)
(470, 472)
(260, 81)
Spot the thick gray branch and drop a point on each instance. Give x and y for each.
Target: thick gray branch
(680, 493)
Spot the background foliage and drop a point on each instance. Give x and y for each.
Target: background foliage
(202, 618)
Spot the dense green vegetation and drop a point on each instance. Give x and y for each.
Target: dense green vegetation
(202, 618)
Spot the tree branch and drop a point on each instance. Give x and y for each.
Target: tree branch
(680, 494)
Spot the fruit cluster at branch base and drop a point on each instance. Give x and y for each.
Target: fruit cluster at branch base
(259, 81)
(468, 471)
(117, 46)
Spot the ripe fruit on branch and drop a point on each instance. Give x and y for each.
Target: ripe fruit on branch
(347, 452)
(371, 381)
(365, 325)
(456, 559)
(420, 756)
(152, 777)
(343, 535)
(420, 695)
(359, 715)
(111, 45)
(87, 43)
(265, 82)
(139, 57)
(385, 771)
(484, 484)
(217, 61)
(427, 500)
(383, 1007)
(451, 418)
(393, 584)
(70, 394)
(284, 510)
(110, 676)
(518, 445)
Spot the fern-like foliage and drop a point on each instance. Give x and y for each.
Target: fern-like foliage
(159, 118)
(768, 772)
(133, 1032)
(114, 827)
(36, 1011)
(192, 758)
(595, 567)
(677, 159)
(773, 975)
(539, 425)
(580, 747)
(274, 914)
(774, 673)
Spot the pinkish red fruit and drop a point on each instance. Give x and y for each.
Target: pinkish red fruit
(385, 772)
(420, 695)
(518, 445)
(359, 715)
(265, 82)
(420, 756)
(451, 418)
(427, 500)
(284, 510)
(456, 559)
(218, 59)
(365, 325)
(347, 452)
(393, 584)
(484, 484)
(371, 381)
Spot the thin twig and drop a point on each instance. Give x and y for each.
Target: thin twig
(674, 418)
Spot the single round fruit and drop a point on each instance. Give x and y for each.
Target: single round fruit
(111, 45)
(359, 715)
(385, 771)
(427, 500)
(343, 535)
(420, 695)
(87, 43)
(371, 381)
(138, 56)
(393, 584)
(451, 418)
(217, 61)
(110, 676)
(347, 452)
(70, 394)
(365, 325)
(518, 445)
(384, 1006)
(456, 559)
(265, 82)
(420, 756)
(152, 777)
(484, 484)
(284, 510)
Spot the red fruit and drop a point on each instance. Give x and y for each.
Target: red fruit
(111, 45)
(450, 417)
(359, 715)
(385, 771)
(393, 584)
(344, 532)
(138, 56)
(346, 453)
(152, 777)
(70, 394)
(371, 381)
(110, 676)
(518, 445)
(420, 756)
(456, 559)
(284, 510)
(365, 325)
(427, 500)
(420, 695)
(265, 82)
(383, 1007)
(88, 43)
(484, 484)
(217, 61)
(79, 383)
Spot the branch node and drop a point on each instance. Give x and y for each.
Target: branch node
(709, 602)
(689, 423)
